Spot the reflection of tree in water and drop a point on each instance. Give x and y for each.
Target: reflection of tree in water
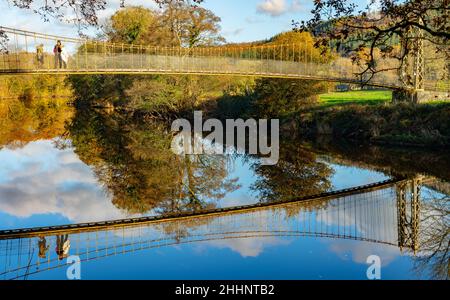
(434, 239)
(134, 161)
(200, 178)
(390, 160)
(21, 124)
(297, 174)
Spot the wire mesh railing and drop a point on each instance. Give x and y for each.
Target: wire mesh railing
(30, 52)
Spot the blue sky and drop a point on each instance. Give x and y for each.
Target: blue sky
(257, 19)
(246, 20)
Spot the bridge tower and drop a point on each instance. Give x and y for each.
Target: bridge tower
(412, 72)
(419, 62)
(408, 214)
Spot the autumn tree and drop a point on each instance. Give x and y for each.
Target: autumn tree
(380, 25)
(190, 26)
(202, 28)
(130, 25)
(298, 46)
(176, 24)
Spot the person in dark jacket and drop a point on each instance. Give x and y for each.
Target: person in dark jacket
(57, 51)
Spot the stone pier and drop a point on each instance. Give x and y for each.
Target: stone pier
(419, 96)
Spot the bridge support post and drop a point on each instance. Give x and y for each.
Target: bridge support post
(418, 96)
(404, 95)
(408, 214)
(419, 62)
(415, 214)
(413, 74)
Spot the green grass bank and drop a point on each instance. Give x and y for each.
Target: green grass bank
(368, 97)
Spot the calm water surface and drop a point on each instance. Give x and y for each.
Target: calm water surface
(101, 166)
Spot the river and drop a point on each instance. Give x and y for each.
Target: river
(94, 166)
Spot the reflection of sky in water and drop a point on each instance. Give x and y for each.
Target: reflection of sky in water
(249, 258)
(277, 256)
(348, 176)
(41, 185)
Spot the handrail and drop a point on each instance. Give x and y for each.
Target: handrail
(39, 35)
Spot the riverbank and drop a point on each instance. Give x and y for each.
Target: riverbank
(361, 116)
(424, 125)
(364, 117)
(393, 160)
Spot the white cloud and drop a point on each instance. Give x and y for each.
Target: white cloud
(273, 8)
(249, 247)
(39, 179)
(277, 8)
(359, 251)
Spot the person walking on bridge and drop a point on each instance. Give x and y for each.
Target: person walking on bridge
(43, 247)
(57, 51)
(40, 55)
(62, 246)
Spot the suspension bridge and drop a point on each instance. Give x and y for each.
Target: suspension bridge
(32, 53)
(386, 213)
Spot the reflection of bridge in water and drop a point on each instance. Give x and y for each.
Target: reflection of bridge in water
(386, 213)
(32, 53)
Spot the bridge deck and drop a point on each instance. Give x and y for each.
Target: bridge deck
(200, 73)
